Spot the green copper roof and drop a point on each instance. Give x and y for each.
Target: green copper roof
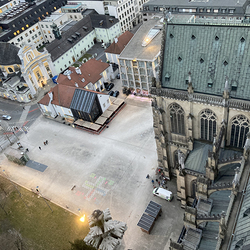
(211, 53)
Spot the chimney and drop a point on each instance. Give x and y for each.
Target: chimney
(116, 40)
(69, 77)
(50, 94)
(76, 84)
(78, 71)
(89, 74)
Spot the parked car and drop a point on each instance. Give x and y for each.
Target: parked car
(111, 93)
(6, 117)
(110, 86)
(116, 93)
(163, 193)
(118, 76)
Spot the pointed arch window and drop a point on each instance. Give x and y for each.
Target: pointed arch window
(239, 129)
(177, 119)
(208, 124)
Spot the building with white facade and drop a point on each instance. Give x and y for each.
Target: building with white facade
(79, 37)
(60, 20)
(90, 75)
(73, 44)
(127, 11)
(106, 28)
(139, 61)
(42, 32)
(64, 101)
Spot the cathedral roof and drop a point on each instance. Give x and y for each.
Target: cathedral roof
(241, 239)
(211, 53)
(8, 54)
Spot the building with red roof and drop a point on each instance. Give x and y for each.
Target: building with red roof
(116, 48)
(74, 103)
(90, 75)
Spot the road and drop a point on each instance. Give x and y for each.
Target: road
(22, 117)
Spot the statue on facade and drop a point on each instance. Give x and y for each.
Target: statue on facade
(105, 233)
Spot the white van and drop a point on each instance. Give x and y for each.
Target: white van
(163, 193)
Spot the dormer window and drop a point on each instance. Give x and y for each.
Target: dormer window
(193, 37)
(234, 86)
(225, 63)
(246, 213)
(179, 59)
(242, 39)
(167, 77)
(210, 83)
(171, 35)
(201, 60)
(216, 38)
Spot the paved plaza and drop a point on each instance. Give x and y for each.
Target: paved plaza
(88, 172)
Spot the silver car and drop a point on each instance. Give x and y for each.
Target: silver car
(6, 117)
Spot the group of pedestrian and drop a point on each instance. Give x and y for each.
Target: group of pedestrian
(153, 182)
(45, 143)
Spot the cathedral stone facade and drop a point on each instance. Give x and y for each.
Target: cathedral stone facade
(201, 101)
(201, 120)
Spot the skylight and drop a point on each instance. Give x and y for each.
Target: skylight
(150, 36)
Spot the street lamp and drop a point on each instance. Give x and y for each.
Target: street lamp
(38, 191)
(82, 218)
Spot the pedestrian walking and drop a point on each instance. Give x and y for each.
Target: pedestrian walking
(46, 142)
(153, 181)
(159, 183)
(27, 150)
(23, 108)
(40, 148)
(147, 176)
(156, 180)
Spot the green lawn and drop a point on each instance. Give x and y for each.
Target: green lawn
(39, 227)
(87, 56)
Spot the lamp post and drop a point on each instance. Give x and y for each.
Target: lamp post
(82, 218)
(37, 189)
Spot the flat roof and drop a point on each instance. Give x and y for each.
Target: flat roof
(198, 3)
(135, 50)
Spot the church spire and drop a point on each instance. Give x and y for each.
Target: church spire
(226, 90)
(190, 86)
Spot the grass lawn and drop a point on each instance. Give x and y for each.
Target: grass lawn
(87, 56)
(40, 229)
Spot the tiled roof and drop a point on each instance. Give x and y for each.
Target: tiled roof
(62, 96)
(44, 100)
(211, 53)
(117, 48)
(210, 232)
(242, 231)
(58, 47)
(8, 54)
(197, 158)
(90, 72)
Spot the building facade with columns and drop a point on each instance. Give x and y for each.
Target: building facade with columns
(23, 71)
(201, 113)
(36, 67)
